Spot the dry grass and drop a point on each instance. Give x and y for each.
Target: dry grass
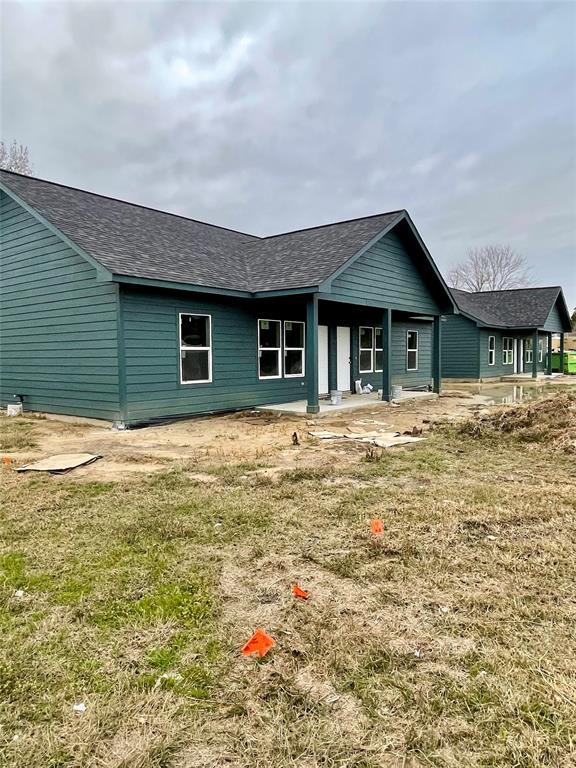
(447, 642)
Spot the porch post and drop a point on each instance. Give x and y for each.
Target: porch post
(561, 353)
(437, 360)
(535, 354)
(549, 358)
(312, 354)
(332, 358)
(387, 355)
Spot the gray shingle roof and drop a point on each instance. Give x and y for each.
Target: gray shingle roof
(309, 256)
(136, 241)
(132, 240)
(514, 308)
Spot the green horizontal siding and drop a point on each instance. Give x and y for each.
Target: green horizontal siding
(460, 339)
(387, 274)
(58, 325)
(499, 369)
(400, 375)
(151, 344)
(554, 320)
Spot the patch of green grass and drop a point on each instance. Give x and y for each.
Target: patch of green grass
(16, 434)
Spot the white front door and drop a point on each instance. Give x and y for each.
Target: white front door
(343, 358)
(322, 359)
(519, 356)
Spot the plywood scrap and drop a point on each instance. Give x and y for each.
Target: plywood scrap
(379, 438)
(63, 462)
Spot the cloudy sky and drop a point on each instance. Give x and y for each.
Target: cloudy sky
(267, 117)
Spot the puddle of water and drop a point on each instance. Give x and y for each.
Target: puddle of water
(508, 394)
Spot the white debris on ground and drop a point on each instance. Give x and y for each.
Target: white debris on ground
(379, 438)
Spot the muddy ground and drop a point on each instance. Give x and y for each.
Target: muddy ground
(250, 437)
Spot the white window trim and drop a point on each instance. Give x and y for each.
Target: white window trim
(295, 349)
(507, 353)
(492, 350)
(378, 349)
(412, 349)
(529, 350)
(184, 348)
(366, 349)
(278, 350)
(540, 350)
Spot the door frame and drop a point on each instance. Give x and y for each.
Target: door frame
(348, 331)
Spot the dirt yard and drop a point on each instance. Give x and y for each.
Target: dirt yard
(248, 436)
(128, 587)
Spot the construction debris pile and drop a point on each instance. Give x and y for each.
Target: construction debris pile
(551, 421)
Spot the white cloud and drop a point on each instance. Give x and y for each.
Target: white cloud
(425, 166)
(467, 162)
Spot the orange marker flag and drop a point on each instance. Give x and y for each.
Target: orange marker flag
(376, 526)
(6, 460)
(297, 591)
(259, 643)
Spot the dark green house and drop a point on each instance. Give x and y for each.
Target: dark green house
(502, 333)
(117, 311)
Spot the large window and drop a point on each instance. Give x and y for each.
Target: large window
(293, 348)
(195, 348)
(529, 350)
(507, 350)
(366, 349)
(540, 350)
(269, 349)
(491, 350)
(412, 350)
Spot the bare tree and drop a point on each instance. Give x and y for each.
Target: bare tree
(491, 268)
(15, 158)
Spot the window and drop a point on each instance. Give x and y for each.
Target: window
(269, 349)
(507, 350)
(378, 351)
(195, 349)
(293, 348)
(529, 350)
(366, 349)
(412, 351)
(491, 350)
(540, 350)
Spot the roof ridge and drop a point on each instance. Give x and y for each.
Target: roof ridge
(334, 223)
(129, 202)
(503, 290)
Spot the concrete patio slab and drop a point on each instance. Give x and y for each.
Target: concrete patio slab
(349, 403)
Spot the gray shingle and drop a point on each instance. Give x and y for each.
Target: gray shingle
(514, 308)
(132, 240)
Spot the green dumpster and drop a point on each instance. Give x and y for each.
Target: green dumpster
(569, 361)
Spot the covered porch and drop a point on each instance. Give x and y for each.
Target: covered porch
(347, 341)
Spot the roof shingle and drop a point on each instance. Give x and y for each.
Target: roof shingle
(513, 308)
(132, 240)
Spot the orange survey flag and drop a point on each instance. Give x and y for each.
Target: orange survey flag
(297, 591)
(376, 526)
(259, 643)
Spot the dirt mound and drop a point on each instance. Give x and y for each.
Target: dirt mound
(551, 421)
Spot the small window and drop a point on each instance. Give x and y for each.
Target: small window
(293, 348)
(412, 351)
(269, 349)
(507, 350)
(491, 350)
(366, 350)
(378, 351)
(540, 350)
(195, 349)
(529, 350)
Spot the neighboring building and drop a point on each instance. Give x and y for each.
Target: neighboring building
(117, 311)
(499, 333)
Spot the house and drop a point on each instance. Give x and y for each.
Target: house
(121, 312)
(500, 333)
